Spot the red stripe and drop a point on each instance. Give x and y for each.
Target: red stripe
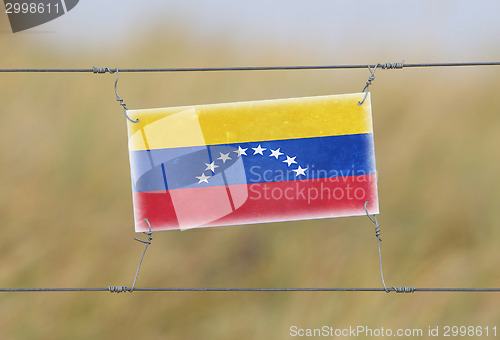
(256, 203)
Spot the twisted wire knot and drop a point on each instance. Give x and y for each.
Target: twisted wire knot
(385, 66)
(103, 70)
(369, 81)
(118, 289)
(392, 66)
(374, 220)
(378, 232)
(403, 289)
(120, 101)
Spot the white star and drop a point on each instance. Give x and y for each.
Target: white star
(224, 157)
(258, 150)
(290, 160)
(241, 151)
(211, 166)
(203, 178)
(276, 153)
(299, 171)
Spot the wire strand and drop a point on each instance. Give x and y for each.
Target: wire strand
(248, 68)
(119, 289)
(173, 289)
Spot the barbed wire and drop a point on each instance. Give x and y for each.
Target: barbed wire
(398, 65)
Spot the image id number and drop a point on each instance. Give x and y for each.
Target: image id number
(31, 7)
(475, 331)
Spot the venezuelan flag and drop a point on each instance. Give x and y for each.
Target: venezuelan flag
(252, 162)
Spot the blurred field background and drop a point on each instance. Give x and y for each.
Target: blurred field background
(66, 209)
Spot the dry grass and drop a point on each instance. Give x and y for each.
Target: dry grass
(65, 206)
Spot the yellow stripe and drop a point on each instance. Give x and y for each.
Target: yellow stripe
(249, 121)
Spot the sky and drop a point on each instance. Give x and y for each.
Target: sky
(427, 30)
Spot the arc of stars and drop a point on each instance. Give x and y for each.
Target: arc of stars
(259, 150)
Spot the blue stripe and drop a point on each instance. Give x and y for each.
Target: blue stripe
(324, 157)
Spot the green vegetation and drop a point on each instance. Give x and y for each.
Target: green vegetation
(66, 209)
